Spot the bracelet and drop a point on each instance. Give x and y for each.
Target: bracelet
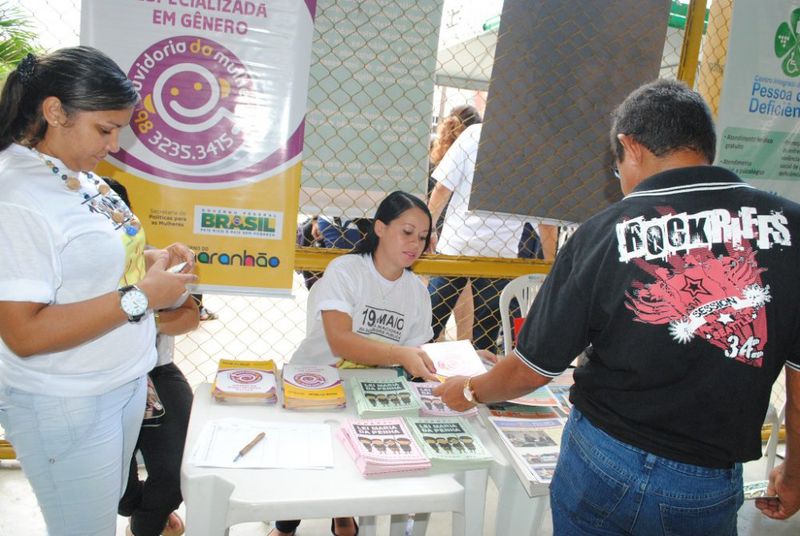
(157, 318)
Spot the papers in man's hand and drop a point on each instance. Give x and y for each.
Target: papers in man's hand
(757, 490)
(454, 358)
(288, 445)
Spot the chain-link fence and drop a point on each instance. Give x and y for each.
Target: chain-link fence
(382, 129)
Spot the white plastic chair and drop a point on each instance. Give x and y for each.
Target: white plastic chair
(775, 420)
(524, 289)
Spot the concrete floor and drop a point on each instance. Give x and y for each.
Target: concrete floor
(19, 513)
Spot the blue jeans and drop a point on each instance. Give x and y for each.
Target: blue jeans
(444, 293)
(75, 452)
(603, 486)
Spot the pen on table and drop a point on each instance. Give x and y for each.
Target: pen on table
(247, 448)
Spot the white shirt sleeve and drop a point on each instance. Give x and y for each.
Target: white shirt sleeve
(29, 264)
(336, 291)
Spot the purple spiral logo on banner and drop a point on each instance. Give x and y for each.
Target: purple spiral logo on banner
(190, 87)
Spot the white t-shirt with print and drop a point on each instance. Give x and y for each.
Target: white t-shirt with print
(465, 232)
(56, 250)
(396, 312)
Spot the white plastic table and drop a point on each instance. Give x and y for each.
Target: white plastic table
(217, 498)
(522, 503)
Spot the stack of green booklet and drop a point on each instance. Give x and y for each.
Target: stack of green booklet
(376, 398)
(449, 443)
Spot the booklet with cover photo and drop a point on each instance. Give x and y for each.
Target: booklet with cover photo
(382, 397)
(382, 446)
(245, 382)
(312, 387)
(449, 442)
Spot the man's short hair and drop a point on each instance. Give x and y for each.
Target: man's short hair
(665, 116)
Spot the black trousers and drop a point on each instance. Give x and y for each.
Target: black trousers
(287, 526)
(150, 503)
(444, 293)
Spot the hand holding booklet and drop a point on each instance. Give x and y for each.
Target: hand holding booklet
(454, 358)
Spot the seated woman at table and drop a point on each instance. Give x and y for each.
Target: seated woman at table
(369, 309)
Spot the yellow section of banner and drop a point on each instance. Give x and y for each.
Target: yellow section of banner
(244, 236)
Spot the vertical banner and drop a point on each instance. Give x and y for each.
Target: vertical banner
(560, 68)
(369, 104)
(213, 155)
(759, 112)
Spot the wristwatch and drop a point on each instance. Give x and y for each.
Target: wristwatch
(133, 302)
(469, 394)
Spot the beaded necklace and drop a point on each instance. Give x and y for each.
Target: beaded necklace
(105, 201)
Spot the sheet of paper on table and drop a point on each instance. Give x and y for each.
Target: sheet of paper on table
(286, 445)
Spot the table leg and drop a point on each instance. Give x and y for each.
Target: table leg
(207, 499)
(517, 513)
(398, 524)
(367, 525)
(470, 521)
(540, 508)
(421, 523)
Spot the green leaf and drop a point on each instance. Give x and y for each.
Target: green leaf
(784, 40)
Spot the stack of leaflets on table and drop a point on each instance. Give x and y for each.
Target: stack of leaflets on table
(548, 402)
(534, 443)
(380, 446)
(312, 387)
(522, 411)
(449, 442)
(382, 397)
(245, 382)
(454, 358)
(432, 405)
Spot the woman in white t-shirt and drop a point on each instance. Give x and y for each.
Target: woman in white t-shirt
(370, 309)
(77, 289)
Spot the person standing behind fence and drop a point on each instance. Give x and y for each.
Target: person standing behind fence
(77, 289)
(447, 131)
(467, 232)
(370, 309)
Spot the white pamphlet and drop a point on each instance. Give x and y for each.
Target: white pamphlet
(286, 445)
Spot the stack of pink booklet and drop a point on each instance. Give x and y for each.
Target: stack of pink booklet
(380, 446)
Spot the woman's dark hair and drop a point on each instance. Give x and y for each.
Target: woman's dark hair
(82, 78)
(119, 189)
(390, 209)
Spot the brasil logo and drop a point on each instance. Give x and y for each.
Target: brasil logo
(787, 45)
